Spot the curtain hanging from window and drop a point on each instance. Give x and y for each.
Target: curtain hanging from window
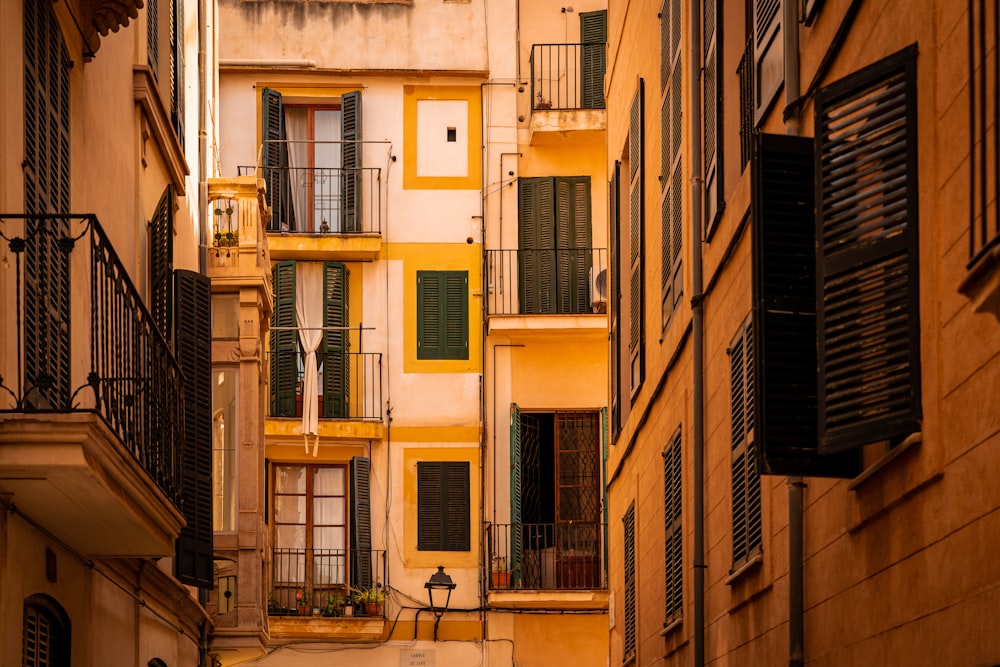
(309, 293)
(297, 133)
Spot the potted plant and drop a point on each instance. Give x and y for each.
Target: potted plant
(373, 600)
(225, 239)
(500, 577)
(302, 601)
(334, 604)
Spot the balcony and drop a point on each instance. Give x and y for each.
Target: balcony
(90, 406)
(321, 592)
(537, 289)
(567, 90)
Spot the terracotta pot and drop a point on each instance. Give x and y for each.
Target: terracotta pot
(500, 579)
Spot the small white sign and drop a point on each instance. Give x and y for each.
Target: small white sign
(412, 658)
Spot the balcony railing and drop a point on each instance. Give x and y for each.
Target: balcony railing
(567, 76)
(322, 200)
(84, 340)
(564, 281)
(350, 384)
(547, 556)
(304, 579)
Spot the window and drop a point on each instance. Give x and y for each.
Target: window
(746, 509)
(593, 62)
(637, 189)
(556, 526)
(442, 314)
(769, 50)
(172, 41)
(671, 187)
(45, 633)
(443, 515)
(555, 257)
(673, 544)
(225, 427)
(628, 542)
(322, 529)
(312, 163)
(846, 284)
(713, 118)
(161, 262)
(310, 336)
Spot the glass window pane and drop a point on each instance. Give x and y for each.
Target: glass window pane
(289, 537)
(290, 479)
(329, 539)
(329, 482)
(328, 511)
(224, 437)
(290, 509)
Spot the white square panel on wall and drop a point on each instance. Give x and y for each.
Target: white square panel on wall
(442, 138)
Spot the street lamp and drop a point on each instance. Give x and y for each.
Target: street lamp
(440, 582)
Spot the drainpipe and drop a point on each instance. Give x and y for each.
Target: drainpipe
(796, 485)
(698, 337)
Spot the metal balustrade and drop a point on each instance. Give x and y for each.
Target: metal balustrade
(550, 281)
(567, 76)
(547, 556)
(303, 580)
(358, 376)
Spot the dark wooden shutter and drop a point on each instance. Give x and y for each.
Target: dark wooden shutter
(746, 519)
(769, 66)
(516, 541)
(177, 68)
(430, 344)
(350, 120)
(867, 277)
(784, 311)
(284, 342)
(443, 512)
(572, 233)
(629, 604)
(536, 245)
(673, 545)
(361, 523)
(713, 116)
(193, 348)
(614, 299)
(161, 262)
(456, 315)
(336, 344)
(636, 233)
(671, 192)
(153, 37)
(442, 315)
(274, 154)
(593, 58)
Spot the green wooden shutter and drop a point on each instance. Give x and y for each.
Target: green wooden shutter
(593, 58)
(194, 564)
(636, 222)
(784, 311)
(361, 523)
(628, 566)
(161, 262)
(336, 344)
(443, 512)
(573, 253)
(769, 67)
(457, 527)
(350, 119)
(516, 543)
(867, 277)
(284, 342)
(442, 315)
(430, 510)
(536, 245)
(713, 116)
(274, 154)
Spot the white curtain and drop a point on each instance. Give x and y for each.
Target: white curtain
(309, 314)
(297, 132)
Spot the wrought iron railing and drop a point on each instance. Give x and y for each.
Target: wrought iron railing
(567, 76)
(548, 281)
(85, 340)
(356, 382)
(304, 580)
(322, 200)
(547, 556)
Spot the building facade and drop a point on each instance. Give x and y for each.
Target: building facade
(105, 519)
(805, 340)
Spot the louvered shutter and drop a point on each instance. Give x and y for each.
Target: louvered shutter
(769, 72)
(604, 487)
(672, 523)
(516, 542)
(713, 118)
(457, 527)
(746, 521)
(636, 221)
(615, 302)
(284, 342)
(442, 315)
(536, 244)
(629, 606)
(671, 193)
(443, 515)
(153, 37)
(593, 59)
(456, 315)
(430, 509)
(867, 272)
(572, 233)
(336, 344)
(193, 349)
(430, 344)
(177, 68)
(361, 523)
(161, 262)
(784, 311)
(274, 154)
(350, 129)
(46, 190)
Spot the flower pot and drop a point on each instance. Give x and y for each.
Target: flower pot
(373, 608)
(500, 579)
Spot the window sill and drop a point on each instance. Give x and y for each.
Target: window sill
(910, 442)
(752, 563)
(672, 626)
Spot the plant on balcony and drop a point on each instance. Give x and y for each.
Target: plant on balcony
(333, 604)
(500, 576)
(226, 239)
(372, 599)
(302, 598)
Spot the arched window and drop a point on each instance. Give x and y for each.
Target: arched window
(46, 633)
